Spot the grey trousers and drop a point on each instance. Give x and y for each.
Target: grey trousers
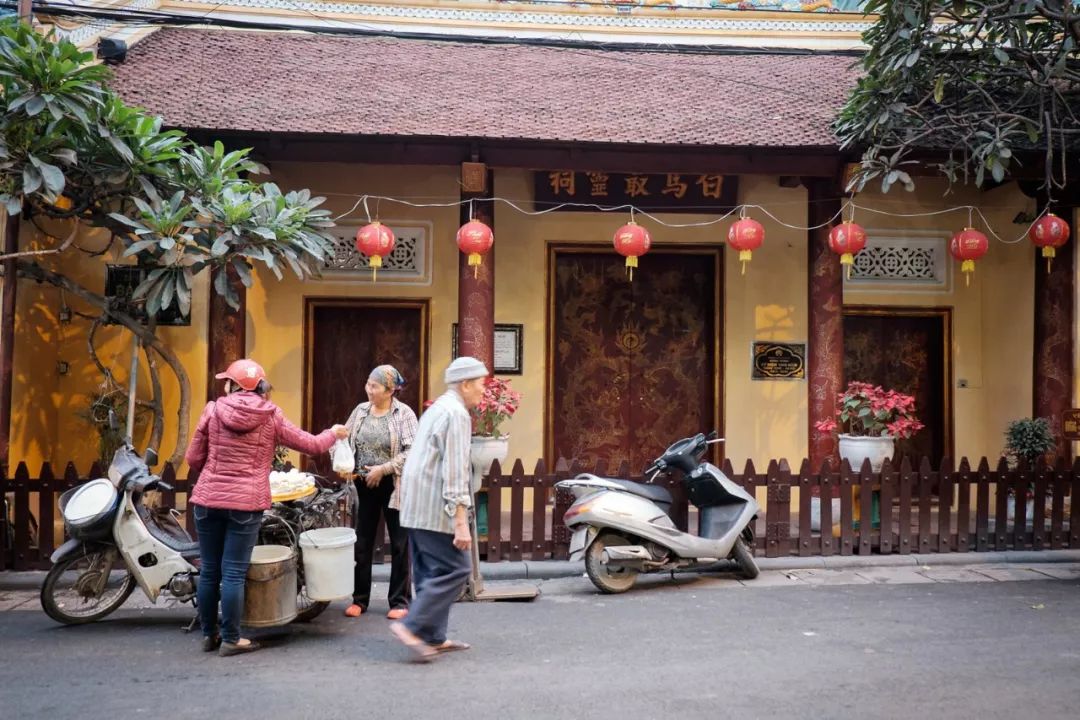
(439, 573)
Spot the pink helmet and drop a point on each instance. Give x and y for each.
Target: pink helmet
(246, 373)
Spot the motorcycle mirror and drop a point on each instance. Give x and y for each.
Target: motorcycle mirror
(113, 424)
(712, 436)
(151, 457)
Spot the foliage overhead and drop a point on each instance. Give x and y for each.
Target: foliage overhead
(70, 148)
(975, 84)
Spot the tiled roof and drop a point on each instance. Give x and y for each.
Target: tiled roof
(302, 83)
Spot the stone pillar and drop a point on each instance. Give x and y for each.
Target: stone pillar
(825, 318)
(1055, 297)
(226, 332)
(476, 290)
(7, 338)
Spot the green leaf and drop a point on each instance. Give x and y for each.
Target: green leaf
(939, 88)
(31, 179)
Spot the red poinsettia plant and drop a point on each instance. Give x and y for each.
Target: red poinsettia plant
(499, 403)
(867, 410)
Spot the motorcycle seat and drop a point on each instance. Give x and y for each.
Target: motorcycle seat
(655, 493)
(168, 532)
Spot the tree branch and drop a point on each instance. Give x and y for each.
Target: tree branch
(36, 272)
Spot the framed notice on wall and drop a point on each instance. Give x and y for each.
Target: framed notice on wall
(507, 348)
(778, 361)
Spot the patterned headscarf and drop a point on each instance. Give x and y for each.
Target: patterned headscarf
(388, 377)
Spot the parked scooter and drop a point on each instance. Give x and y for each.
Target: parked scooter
(622, 528)
(117, 543)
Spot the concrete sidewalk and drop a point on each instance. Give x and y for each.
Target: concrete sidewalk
(553, 569)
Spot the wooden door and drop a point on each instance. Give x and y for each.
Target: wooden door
(633, 365)
(908, 351)
(345, 340)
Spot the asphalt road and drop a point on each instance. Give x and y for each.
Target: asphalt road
(828, 644)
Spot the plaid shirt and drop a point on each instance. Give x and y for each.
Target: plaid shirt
(402, 433)
(437, 473)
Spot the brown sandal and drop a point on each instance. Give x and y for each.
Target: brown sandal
(420, 651)
(450, 646)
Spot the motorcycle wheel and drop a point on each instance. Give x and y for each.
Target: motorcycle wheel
(745, 559)
(608, 580)
(306, 608)
(73, 603)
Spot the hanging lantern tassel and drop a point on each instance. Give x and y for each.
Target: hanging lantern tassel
(375, 241)
(1049, 232)
(746, 235)
(632, 241)
(968, 245)
(475, 238)
(847, 239)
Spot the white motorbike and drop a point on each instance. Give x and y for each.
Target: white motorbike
(622, 528)
(117, 543)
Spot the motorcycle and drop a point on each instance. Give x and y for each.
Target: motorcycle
(116, 544)
(622, 528)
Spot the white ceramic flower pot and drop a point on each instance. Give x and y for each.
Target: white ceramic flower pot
(485, 451)
(855, 449)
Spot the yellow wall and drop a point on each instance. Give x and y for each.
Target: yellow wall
(991, 321)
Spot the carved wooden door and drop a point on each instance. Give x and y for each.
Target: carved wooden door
(907, 351)
(633, 363)
(346, 341)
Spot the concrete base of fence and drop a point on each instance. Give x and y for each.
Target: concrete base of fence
(553, 569)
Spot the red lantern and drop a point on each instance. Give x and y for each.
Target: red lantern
(375, 240)
(632, 241)
(968, 245)
(1049, 232)
(746, 236)
(475, 238)
(847, 239)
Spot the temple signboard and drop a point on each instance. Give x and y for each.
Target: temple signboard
(667, 192)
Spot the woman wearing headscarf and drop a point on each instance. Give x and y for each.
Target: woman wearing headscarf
(381, 431)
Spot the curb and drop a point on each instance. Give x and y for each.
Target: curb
(554, 569)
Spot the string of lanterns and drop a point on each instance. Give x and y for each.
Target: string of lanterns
(847, 239)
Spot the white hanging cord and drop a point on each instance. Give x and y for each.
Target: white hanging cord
(848, 204)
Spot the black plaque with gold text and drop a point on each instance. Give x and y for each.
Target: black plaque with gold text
(779, 361)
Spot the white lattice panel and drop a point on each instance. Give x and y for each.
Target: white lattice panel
(902, 262)
(409, 262)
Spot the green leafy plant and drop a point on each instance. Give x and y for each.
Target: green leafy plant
(870, 411)
(71, 149)
(973, 84)
(1028, 439)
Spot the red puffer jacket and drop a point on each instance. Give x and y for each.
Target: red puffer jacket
(233, 448)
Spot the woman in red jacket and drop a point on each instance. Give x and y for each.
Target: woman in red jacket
(232, 450)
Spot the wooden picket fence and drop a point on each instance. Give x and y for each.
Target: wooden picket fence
(923, 509)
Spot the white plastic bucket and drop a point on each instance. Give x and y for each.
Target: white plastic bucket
(328, 562)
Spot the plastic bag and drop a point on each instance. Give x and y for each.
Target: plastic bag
(342, 459)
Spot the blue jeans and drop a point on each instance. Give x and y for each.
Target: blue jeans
(226, 538)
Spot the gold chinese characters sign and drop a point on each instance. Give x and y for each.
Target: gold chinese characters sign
(685, 192)
(1070, 425)
(779, 361)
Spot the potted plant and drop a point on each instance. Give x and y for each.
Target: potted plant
(868, 419)
(1027, 439)
(498, 404)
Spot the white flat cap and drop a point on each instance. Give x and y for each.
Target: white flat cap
(464, 368)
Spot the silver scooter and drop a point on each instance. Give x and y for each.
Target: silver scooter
(622, 528)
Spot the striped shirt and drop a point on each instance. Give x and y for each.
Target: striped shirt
(437, 472)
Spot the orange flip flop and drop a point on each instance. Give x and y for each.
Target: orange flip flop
(354, 610)
(397, 613)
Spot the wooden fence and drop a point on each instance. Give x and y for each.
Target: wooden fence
(923, 509)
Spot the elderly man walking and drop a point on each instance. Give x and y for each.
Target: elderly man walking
(435, 505)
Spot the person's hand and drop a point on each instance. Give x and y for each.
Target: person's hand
(462, 536)
(374, 475)
(340, 432)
